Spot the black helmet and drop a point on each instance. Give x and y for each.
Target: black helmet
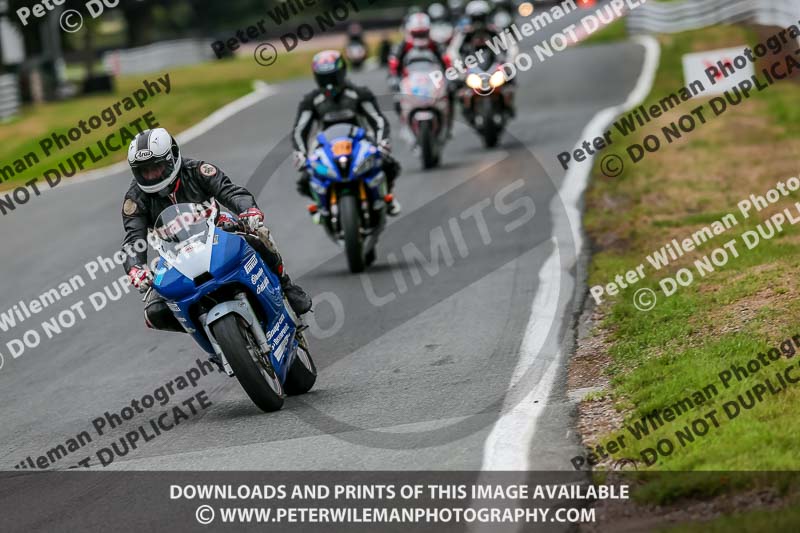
(478, 12)
(330, 71)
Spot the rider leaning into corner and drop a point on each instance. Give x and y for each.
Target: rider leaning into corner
(337, 101)
(162, 178)
(472, 39)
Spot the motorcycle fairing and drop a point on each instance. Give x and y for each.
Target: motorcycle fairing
(326, 170)
(232, 261)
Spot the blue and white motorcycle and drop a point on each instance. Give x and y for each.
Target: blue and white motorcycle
(227, 298)
(350, 191)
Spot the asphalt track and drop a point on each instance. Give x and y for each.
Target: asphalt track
(413, 383)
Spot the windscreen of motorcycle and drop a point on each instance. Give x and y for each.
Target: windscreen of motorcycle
(338, 131)
(418, 88)
(183, 233)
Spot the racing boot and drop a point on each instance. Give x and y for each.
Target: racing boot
(304, 184)
(261, 241)
(393, 207)
(298, 299)
(391, 168)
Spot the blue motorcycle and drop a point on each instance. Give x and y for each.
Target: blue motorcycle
(350, 191)
(227, 298)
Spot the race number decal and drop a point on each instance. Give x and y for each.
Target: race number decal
(342, 148)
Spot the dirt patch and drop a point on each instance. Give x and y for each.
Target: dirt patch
(588, 378)
(621, 516)
(780, 297)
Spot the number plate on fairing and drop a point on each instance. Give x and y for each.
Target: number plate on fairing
(341, 148)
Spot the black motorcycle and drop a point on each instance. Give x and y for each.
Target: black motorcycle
(484, 99)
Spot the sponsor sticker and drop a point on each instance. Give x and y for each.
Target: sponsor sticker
(143, 155)
(207, 169)
(281, 349)
(255, 277)
(129, 207)
(262, 286)
(251, 264)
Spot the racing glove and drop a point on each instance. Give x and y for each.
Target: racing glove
(141, 278)
(226, 222)
(252, 219)
(299, 160)
(385, 147)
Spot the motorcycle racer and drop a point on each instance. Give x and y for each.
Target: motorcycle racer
(337, 101)
(418, 36)
(456, 10)
(472, 39)
(162, 177)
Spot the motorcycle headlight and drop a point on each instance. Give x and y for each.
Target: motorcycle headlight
(497, 79)
(367, 164)
(474, 81)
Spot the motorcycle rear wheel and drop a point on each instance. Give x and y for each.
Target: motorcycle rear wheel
(353, 240)
(256, 375)
(303, 372)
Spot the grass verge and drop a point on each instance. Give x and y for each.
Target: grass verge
(728, 316)
(196, 91)
(616, 31)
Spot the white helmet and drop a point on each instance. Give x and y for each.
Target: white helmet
(155, 160)
(437, 11)
(455, 6)
(478, 11)
(418, 29)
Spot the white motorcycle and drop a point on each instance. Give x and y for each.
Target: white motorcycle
(425, 106)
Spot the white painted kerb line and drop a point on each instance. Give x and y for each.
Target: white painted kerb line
(508, 445)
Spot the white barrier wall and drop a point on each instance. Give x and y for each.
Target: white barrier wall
(9, 96)
(674, 17)
(157, 56)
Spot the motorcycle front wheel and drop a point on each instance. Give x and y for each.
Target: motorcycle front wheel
(254, 372)
(426, 143)
(491, 131)
(351, 226)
